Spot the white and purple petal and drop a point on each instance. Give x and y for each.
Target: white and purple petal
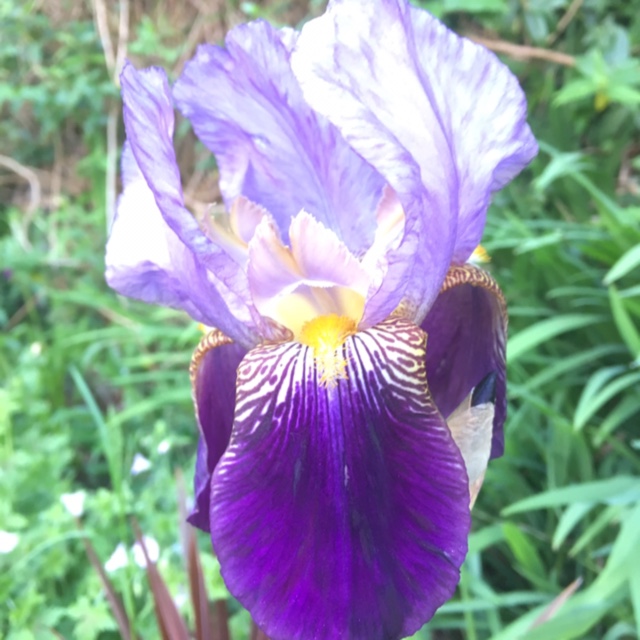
(356, 65)
(146, 260)
(466, 341)
(213, 378)
(149, 122)
(317, 275)
(340, 510)
(484, 109)
(383, 73)
(246, 106)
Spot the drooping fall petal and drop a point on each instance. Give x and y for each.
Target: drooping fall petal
(340, 508)
(213, 378)
(467, 333)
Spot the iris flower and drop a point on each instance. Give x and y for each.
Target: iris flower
(353, 389)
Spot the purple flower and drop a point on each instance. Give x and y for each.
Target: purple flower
(353, 390)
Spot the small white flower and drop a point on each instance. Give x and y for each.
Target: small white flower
(181, 598)
(74, 502)
(153, 549)
(8, 541)
(35, 348)
(140, 464)
(164, 446)
(118, 559)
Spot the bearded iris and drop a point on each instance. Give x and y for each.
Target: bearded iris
(353, 389)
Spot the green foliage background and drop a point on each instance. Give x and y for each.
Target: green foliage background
(89, 380)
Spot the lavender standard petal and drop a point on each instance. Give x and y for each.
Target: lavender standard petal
(247, 108)
(356, 65)
(484, 110)
(440, 117)
(340, 511)
(146, 260)
(149, 120)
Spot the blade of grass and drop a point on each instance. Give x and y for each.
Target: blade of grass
(623, 411)
(589, 403)
(111, 442)
(629, 261)
(106, 439)
(634, 589)
(605, 519)
(572, 515)
(544, 330)
(617, 490)
(624, 322)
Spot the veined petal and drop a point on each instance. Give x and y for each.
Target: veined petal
(246, 107)
(213, 379)
(356, 65)
(467, 333)
(340, 510)
(316, 276)
(146, 260)
(440, 117)
(322, 256)
(484, 109)
(149, 121)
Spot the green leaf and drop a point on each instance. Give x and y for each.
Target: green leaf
(571, 623)
(485, 538)
(524, 550)
(605, 519)
(574, 91)
(624, 95)
(623, 559)
(625, 264)
(621, 412)
(619, 490)
(624, 322)
(560, 165)
(592, 400)
(572, 515)
(575, 362)
(475, 6)
(110, 438)
(634, 590)
(544, 330)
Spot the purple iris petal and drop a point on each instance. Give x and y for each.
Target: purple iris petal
(384, 74)
(149, 120)
(247, 108)
(213, 376)
(467, 332)
(316, 258)
(146, 260)
(481, 104)
(341, 509)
